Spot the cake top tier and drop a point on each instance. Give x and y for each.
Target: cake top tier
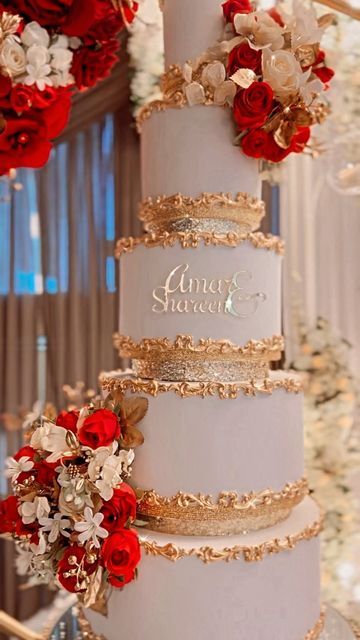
(191, 26)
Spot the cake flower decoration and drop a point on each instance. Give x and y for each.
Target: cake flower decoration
(71, 501)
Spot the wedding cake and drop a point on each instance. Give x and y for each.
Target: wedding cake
(229, 535)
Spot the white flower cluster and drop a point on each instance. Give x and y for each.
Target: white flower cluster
(146, 49)
(35, 58)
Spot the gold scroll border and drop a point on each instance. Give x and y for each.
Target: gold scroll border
(244, 210)
(172, 86)
(89, 634)
(224, 391)
(193, 239)
(253, 553)
(230, 514)
(185, 345)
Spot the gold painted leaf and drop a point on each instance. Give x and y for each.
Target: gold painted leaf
(131, 437)
(134, 409)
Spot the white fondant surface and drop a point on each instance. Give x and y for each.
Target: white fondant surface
(191, 27)
(277, 598)
(146, 269)
(209, 445)
(191, 151)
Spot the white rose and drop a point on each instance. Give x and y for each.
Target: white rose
(38, 56)
(13, 57)
(61, 59)
(35, 34)
(283, 73)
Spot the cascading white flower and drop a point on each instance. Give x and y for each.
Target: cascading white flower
(90, 529)
(35, 510)
(49, 437)
(260, 30)
(16, 467)
(33, 33)
(112, 471)
(98, 459)
(55, 527)
(13, 57)
(283, 73)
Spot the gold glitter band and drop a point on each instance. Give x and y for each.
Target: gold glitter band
(210, 212)
(232, 513)
(254, 553)
(225, 391)
(193, 239)
(88, 633)
(183, 359)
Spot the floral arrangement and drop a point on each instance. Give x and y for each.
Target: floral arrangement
(269, 69)
(72, 511)
(47, 48)
(332, 452)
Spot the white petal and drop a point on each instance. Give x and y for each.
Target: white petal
(244, 77)
(195, 94)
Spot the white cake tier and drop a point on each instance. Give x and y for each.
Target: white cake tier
(191, 151)
(210, 445)
(218, 292)
(190, 28)
(274, 598)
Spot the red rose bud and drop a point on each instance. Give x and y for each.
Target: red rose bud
(9, 515)
(21, 98)
(232, 7)
(68, 420)
(24, 143)
(72, 17)
(254, 143)
(120, 509)
(253, 105)
(244, 57)
(120, 582)
(99, 429)
(121, 555)
(90, 65)
(300, 140)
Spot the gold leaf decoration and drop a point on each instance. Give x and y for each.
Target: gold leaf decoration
(131, 437)
(134, 409)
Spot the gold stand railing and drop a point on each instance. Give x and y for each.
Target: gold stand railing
(11, 627)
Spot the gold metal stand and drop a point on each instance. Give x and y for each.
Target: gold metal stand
(11, 627)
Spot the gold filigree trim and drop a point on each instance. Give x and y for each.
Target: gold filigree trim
(193, 239)
(225, 391)
(217, 212)
(267, 348)
(317, 630)
(229, 514)
(254, 553)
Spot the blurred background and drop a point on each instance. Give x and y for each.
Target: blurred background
(59, 279)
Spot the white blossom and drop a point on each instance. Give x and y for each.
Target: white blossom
(38, 56)
(13, 57)
(112, 471)
(90, 529)
(16, 467)
(260, 30)
(49, 437)
(33, 33)
(39, 548)
(35, 510)
(55, 526)
(61, 59)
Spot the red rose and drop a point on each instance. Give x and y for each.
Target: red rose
(68, 420)
(24, 143)
(300, 139)
(100, 429)
(254, 143)
(5, 86)
(72, 558)
(244, 57)
(91, 65)
(21, 98)
(9, 514)
(43, 99)
(253, 105)
(44, 473)
(27, 452)
(120, 509)
(121, 555)
(72, 17)
(232, 7)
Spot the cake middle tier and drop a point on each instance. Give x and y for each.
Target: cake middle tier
(201, 286)
(217, 458)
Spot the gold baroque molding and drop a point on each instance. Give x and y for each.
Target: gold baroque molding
(229, 514)
(194, 239)
(218, 212)
(254, 553)
(268, 348)
(224, 391)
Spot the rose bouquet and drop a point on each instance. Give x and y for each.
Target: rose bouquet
(271, 71)
(47, 47)
(72, 511)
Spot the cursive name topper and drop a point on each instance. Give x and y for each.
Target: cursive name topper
(184, 294)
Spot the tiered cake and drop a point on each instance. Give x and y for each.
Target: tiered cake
(230, 546)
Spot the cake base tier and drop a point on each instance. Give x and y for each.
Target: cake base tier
(218, 590)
